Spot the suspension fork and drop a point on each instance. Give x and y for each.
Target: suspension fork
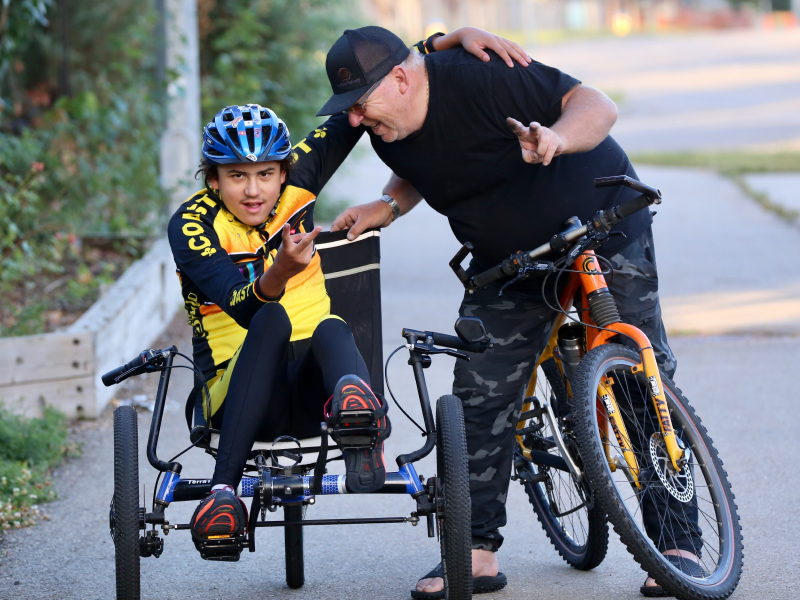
(594, 283)
(608, 403)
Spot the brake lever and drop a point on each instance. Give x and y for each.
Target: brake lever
(525, 272)
(429, 349)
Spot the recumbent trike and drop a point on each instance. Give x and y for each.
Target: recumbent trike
(291, 473)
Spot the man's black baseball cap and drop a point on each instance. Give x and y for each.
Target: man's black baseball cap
(357, 60)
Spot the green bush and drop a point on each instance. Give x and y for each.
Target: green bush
(80, 125)
(29, 448)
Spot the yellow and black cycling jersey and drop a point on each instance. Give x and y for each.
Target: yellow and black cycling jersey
(219, 259)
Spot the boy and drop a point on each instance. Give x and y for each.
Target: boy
(263, 336)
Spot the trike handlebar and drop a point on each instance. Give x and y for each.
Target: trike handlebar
(456, 343)
(149, 359)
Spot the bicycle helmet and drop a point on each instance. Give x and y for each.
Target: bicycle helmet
(249, 133)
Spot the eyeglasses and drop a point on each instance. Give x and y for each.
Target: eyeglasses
(360, 105)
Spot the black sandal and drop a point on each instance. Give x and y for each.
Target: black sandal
(480, 585)
(686, 565)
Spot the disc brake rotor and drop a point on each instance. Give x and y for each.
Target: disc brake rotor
(680, 485)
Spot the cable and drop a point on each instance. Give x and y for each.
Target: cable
(389, 388)
(561, 310)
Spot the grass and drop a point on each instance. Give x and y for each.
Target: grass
(29, 449)
(734, 165)
(730, 163)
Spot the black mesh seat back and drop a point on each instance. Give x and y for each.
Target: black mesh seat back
(353, 280)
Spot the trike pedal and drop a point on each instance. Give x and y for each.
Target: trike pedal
(224, 549)
(355, 429)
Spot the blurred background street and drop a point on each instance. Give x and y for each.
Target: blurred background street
(709, 112)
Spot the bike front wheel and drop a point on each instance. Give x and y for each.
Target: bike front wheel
(681, 527)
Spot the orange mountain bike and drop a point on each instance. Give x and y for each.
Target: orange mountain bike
(608, 433)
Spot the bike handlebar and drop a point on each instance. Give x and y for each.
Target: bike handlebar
(602, 222)
(490, 276)
(630, 182)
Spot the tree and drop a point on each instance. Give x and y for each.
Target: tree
(271, 52)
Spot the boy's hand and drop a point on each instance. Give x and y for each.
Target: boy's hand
(293, 257)
(477, 41)
(295, 252)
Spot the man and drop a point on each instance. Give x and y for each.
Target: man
(448, 126)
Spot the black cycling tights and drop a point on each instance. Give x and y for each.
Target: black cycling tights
(280, 388)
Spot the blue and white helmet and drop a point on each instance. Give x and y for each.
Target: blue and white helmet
(250, 133)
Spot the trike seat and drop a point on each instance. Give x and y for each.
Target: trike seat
(352, 280)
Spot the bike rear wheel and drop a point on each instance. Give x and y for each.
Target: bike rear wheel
(455, 530)
(691, 511)
(573, 521)
(124, 514)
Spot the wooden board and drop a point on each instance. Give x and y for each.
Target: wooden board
(45, 357)
(74, 397)
(64, 369)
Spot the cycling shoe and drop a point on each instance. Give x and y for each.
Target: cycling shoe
(218, 526)
(357, 421)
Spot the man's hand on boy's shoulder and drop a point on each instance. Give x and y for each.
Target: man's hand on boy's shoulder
(293, 256)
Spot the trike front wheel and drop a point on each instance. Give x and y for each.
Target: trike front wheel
(455, 532)
(682, 527)
(124, 515)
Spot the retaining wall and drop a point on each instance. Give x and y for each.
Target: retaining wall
(63, 369)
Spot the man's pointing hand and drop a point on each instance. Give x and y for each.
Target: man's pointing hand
(539, 144)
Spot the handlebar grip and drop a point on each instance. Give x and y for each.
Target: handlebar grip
(456, 343)
(110, 378)
(632, 206)
(483, 279)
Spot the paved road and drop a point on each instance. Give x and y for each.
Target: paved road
(738, 385)
(71, 556)
(697, 90)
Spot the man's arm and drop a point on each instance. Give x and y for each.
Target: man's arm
(587, 116)
(378, 213)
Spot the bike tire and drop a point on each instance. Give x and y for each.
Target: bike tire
(580, 538)
(455, 523)
(125, 504)
(293, 543)
(717, 513)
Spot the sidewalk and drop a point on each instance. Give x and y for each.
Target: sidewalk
(725, 264)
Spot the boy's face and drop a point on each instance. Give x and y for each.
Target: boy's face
(249, 190)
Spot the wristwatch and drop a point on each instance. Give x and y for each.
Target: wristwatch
(392, 204)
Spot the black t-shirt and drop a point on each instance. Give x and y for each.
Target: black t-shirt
(468, 166)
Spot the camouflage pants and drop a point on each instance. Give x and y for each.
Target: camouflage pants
(492, 385)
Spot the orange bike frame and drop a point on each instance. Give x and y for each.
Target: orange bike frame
(590, 279)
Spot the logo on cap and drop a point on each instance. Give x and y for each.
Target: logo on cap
(252, 157)
(344, 74)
